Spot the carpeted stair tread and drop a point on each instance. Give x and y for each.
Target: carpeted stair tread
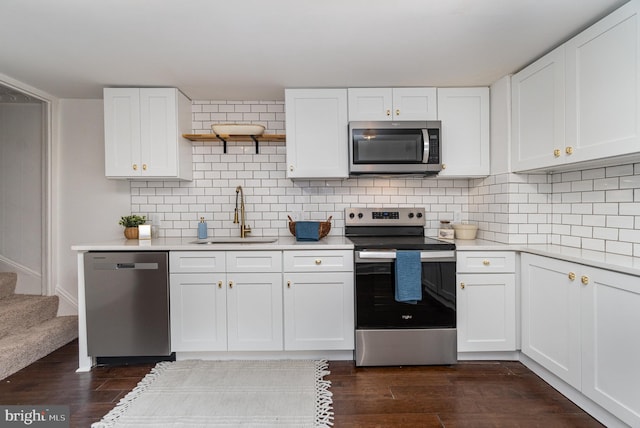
(20, 311)
(22, 348)
(8, 282)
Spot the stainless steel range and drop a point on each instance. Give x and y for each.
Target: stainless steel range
(392, 332)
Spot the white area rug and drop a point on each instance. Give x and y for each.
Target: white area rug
(196, 393)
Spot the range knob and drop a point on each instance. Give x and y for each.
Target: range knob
(352, 215)
(410, 215)
(360, 215)
(419, 215)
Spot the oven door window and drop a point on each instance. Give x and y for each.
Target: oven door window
(376, 307)
(387, 146)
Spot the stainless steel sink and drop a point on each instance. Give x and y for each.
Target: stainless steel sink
(235, 240)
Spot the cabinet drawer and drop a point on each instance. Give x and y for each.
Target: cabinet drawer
(254, 261)
(486, 261)
(196, 261)
(318, 261)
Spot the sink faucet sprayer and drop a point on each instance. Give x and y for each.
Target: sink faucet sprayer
(244, 228)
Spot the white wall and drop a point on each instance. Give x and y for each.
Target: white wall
(21, 175)
(89, 205)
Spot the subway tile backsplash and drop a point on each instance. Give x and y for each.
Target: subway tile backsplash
(596, 208)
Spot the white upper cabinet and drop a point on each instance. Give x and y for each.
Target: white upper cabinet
(368, 104)
(537, 104)
(143, 133)
(581, 101)
(603, 87)
(464, 113)
(317, 132)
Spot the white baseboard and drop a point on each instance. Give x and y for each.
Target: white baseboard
(68, 304)
(29, 281)
(489, 356)
(582, 401)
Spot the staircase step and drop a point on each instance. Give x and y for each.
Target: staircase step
(8, 282)
(20, 311)
(18, 350)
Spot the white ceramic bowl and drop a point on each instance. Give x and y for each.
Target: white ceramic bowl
(465, 231)
(237, 129)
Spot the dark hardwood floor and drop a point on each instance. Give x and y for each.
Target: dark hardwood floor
(469, 394)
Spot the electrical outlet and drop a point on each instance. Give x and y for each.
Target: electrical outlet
(457, 216)
(155, 219)
(297, 216)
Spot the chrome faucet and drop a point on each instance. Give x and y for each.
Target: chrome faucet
(244, 228)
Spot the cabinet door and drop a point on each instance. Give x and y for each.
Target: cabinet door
(198, 312)
(538, 108)
(610, 342)
(486, 312)
(464, 113)
(318, 311)
(551, 316)
(370, 104)
(603, 87)
(415, 104)
(158, 135)
(254, 311)
(122, 132)
(317, 133)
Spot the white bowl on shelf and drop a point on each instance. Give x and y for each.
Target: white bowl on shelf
(237, 129)
(465, 231)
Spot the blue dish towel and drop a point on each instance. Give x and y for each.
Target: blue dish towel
(408, 277)
(307, 231)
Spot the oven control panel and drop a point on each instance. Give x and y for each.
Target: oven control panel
(384, 216)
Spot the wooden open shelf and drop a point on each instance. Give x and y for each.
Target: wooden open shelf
(245, 138)
(240, 138)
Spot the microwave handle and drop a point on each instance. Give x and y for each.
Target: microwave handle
(425, 138)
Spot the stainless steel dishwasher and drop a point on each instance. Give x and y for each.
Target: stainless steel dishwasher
(127, 300)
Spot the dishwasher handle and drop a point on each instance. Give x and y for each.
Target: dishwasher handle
(126, 266)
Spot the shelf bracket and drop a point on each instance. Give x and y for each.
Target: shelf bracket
(255, 140)
(224, 143)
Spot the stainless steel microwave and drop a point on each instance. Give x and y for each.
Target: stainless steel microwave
(394, 147)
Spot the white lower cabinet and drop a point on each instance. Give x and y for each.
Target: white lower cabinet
(551, 316)
(318, 300)
(611, 342)
(582, 324)
(198, 301)
(486, 301)
(226, 300)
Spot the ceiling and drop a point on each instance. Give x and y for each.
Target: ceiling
(253, 49)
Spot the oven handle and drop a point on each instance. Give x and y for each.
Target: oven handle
(425, 256)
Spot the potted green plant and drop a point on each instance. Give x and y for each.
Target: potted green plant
(131, 223)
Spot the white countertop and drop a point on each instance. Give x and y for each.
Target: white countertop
(614, 262)
(186, 244)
